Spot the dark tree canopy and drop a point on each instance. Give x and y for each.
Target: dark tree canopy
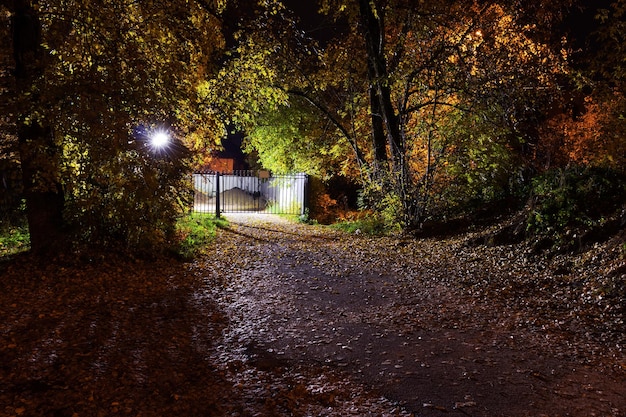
(93, 78)
(431, 106)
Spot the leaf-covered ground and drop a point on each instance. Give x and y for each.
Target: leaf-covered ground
(292, 320)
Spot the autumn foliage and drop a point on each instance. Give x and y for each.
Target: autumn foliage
(436, 109)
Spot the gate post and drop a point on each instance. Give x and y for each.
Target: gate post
(217, 195)
(305, 196)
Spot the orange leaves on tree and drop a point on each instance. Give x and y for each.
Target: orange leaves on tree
(588, 139)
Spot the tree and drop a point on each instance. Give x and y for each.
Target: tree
(414, 95)
(289, 89)
(93, 77)
(290, 139)
(10, 174)
(39, 154)
(587, 128)
(609, 69)
(431, 68)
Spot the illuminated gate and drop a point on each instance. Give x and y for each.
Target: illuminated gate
(249, 192)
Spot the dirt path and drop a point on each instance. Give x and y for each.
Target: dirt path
(400, 319)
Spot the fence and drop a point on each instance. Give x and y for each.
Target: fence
(250, 192)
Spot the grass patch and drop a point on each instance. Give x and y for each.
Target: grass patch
(14, 240)
(195, 232)
(297, 218)
(370, 225)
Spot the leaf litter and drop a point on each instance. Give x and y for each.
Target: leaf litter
(293, 320)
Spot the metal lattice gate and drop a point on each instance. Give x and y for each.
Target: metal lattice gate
(249, 192)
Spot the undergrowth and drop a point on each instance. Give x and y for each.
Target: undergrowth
(194, 232)
(370, 224)
(576, 198)
(14, 240)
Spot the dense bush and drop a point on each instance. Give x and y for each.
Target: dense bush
(131, 201)
(571, 198)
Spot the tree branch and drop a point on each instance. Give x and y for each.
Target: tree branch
(359, 155)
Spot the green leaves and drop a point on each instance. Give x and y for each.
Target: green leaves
(443, 103)
(562, 200)
(194, 232)
(111, 71)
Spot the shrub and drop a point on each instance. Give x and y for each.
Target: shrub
(14, 239)
(574, 197)
(369, 223)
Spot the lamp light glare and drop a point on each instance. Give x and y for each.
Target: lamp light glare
(159, 139)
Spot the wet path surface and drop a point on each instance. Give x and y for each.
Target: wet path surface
(382, 314)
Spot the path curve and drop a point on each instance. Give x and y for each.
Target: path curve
(384, 313)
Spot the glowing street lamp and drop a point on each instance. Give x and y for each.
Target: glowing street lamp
(159, 139)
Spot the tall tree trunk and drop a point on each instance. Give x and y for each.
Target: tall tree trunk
(373, 27)
(386, 122)
(39, 155)
(379, 142)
